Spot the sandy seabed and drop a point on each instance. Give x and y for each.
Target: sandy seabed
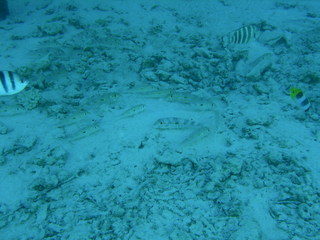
(140, 124)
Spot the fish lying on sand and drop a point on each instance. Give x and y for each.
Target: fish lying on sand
(175, 123)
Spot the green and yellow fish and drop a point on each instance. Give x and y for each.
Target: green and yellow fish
(298, 96)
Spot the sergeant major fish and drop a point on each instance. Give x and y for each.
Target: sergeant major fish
(240, 36)
(11, 83)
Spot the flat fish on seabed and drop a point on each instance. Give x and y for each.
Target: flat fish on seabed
(196, 136)
(175, 123)
(133, 111)
(11, 83)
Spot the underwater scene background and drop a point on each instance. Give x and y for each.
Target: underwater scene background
(154, 120)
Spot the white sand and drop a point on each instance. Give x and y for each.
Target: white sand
(71, 167)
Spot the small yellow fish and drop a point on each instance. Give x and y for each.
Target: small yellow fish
(297, 95)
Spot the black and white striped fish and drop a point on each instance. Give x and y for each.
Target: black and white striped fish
(11, 83)
(242, 35)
